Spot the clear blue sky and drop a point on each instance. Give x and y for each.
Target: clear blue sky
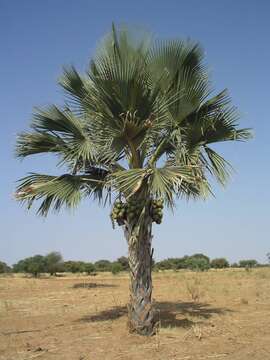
(38, 37)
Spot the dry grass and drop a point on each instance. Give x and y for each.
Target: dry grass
(211, 315)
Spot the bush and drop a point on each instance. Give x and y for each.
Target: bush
(172, 264)
(73, 266)
(248, 263)
(89, 268)
(54, 263)
(219, 263)
(124, 263)
(116, 268)
(32, 265)
(103, 265)
(4, 268)
(194, 262)
(197, 263)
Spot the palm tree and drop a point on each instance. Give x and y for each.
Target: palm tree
(135, 132)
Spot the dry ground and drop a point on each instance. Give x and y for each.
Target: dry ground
(212, 315)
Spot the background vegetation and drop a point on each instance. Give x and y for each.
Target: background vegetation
(53, 264)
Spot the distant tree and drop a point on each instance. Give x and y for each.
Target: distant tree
(248, 263)
(73, 266)
(89, 268)
(201, 256)
(103, 265)
(4, 268)
(219, 263)
(167, 264)
(116, 268)
(123, 260)
(54, 263)
(234, 265)
(268, 257)
(20, 266)
(36, 265)
(198, 263)
(32, 265)
(164, 264)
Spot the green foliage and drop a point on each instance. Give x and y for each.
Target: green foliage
(116, 268)
(89, 268)
(123, 260)
(54, 262)
(220, 263)
(194, 262)
(248, 263)
(32, 265)
(197, 263)
(74, 266)
(103, 265)
(4, 268)
(141, 102)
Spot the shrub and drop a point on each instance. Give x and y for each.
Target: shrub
(172, 264)
(219, 263)
(103, 265)
(54, 263)
(116, 268)
(248, 263)
(197, 263)
(194, 262)
(4, 268)
(124, 263)
(193, 286)
(89, 268)
(73, 266)
(32, 265)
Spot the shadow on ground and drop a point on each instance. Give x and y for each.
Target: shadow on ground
(92, 285)
(170, 314)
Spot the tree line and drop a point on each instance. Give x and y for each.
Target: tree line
(53, 263)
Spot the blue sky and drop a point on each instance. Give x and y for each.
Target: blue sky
(38, 37)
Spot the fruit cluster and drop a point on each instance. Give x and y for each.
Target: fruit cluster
(119, 212)
(157, 213)
(131, 211)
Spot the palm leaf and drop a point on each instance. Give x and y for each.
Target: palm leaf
(57, 191)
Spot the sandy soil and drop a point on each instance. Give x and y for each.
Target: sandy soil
(212, 315)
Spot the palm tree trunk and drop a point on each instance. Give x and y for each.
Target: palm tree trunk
(140, 310)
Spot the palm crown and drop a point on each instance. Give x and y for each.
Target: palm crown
(141, 120)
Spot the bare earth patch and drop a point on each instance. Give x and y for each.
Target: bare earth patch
(212, 315)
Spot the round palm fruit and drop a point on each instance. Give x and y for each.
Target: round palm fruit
(159, 212)
(118, 205)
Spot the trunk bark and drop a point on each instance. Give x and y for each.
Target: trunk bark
(141, 317)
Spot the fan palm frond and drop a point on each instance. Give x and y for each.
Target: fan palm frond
(58, 191)
(140, 120)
